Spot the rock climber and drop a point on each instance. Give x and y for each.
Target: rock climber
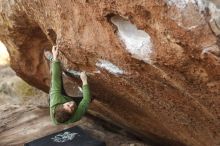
(63, 108)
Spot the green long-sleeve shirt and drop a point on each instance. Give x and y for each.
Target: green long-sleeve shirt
(57, 98)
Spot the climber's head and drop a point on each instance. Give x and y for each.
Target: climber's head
(63, 112)
(69, 106)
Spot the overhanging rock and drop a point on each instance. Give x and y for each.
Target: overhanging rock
(167, 88)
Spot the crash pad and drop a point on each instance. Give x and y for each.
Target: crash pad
(74, 136)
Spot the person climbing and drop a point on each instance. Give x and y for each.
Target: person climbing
(63, 108)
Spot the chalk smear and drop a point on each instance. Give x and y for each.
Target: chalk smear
(214, 10)
(202, 5)
(178, 3)
(137, 42)
(110, 67)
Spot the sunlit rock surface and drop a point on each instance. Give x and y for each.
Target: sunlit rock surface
(4, 57)
(154, 65)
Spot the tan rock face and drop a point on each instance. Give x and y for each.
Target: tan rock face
(154, 64)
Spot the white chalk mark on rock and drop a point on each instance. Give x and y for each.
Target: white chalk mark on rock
(190, 14)
(178, 3)
(66, 136)
(200, 4)
(109, 67)
(182, 4)
(137, 42)
(77, 73)
(214, 10)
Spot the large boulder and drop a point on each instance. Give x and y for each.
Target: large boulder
(154, 64)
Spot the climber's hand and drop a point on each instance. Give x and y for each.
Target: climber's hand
(83, 77)
(55, 52)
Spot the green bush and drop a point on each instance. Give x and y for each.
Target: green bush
(23, 89)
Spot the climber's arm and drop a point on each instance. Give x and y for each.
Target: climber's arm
(55, 89)
(84, 104)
